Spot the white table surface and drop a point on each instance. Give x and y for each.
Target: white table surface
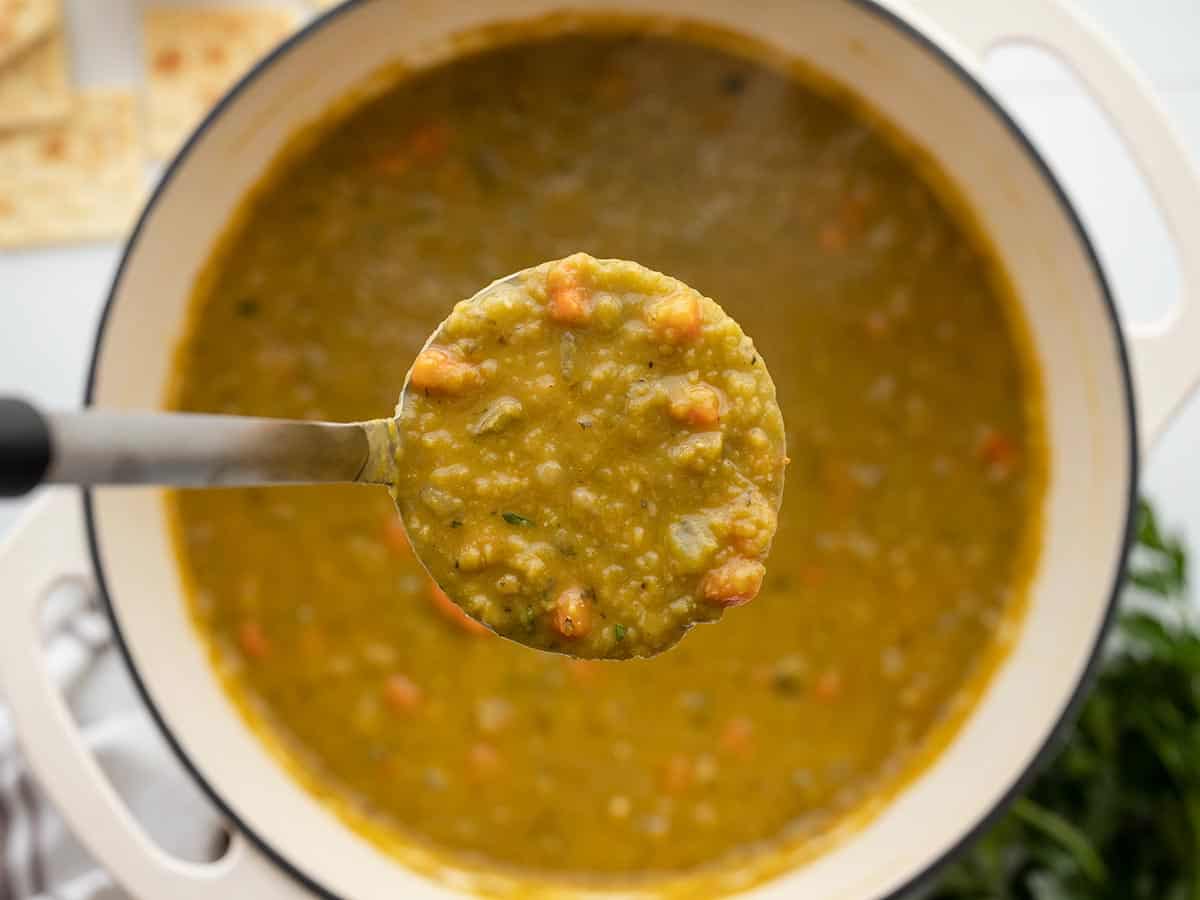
(50, 299)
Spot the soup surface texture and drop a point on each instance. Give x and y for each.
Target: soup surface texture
(591, 459)
(900, 560)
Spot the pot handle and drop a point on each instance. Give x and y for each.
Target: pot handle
(44, 549)
(1166, 354)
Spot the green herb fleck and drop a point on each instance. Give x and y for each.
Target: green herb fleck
(619, 631)
(247, 308)
(513, 518)
(786, 683)
(455, 523)
(528, 617)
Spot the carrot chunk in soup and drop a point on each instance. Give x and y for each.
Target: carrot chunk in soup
(699, 405)
(439, 371)
(675, 318)
(734, 582)
(568, 292)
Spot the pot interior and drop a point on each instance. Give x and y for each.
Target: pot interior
(924, 94)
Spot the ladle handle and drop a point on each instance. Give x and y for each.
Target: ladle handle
(102, 447)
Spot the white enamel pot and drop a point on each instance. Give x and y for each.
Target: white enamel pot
(1108, 393)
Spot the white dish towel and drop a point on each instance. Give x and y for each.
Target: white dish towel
(39, 858)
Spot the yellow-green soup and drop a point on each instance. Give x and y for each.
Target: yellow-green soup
(907, 526)
(590, 459)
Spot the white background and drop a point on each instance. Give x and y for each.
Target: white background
(50, 299)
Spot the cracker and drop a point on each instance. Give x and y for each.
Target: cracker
(79, 180)
(193, 56)
(35, 88)
(24, 22)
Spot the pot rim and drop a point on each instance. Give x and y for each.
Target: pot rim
(1070, 711)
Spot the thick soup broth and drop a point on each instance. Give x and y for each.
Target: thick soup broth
(907, 523)
(633, 425)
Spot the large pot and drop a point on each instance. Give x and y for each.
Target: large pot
(1106, 394)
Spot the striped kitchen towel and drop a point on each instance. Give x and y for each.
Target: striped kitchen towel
(39, 858)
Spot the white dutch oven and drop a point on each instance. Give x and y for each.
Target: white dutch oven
(921, 70)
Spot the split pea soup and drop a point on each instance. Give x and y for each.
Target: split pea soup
(591, 459)
(899, 569)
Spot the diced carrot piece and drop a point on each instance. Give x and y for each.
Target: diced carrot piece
(572, 613)
(675, 318)
(828, 686)
(483, 761)
(427, 143)
(847, 224)
(832, 238)
(453, 612)
(430, 141)
(733, 583)
(569, 295)
(570, 306)
(999, 452)
(402, 694)
(396, 538)
(877, 324)
(253, 640)
(678, 774)
(391, 164)
(737, 736)
(698, 405)
(438, 370)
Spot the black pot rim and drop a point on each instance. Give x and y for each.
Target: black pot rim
(1079, 694)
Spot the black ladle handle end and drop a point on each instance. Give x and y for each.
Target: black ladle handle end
(24, 447)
